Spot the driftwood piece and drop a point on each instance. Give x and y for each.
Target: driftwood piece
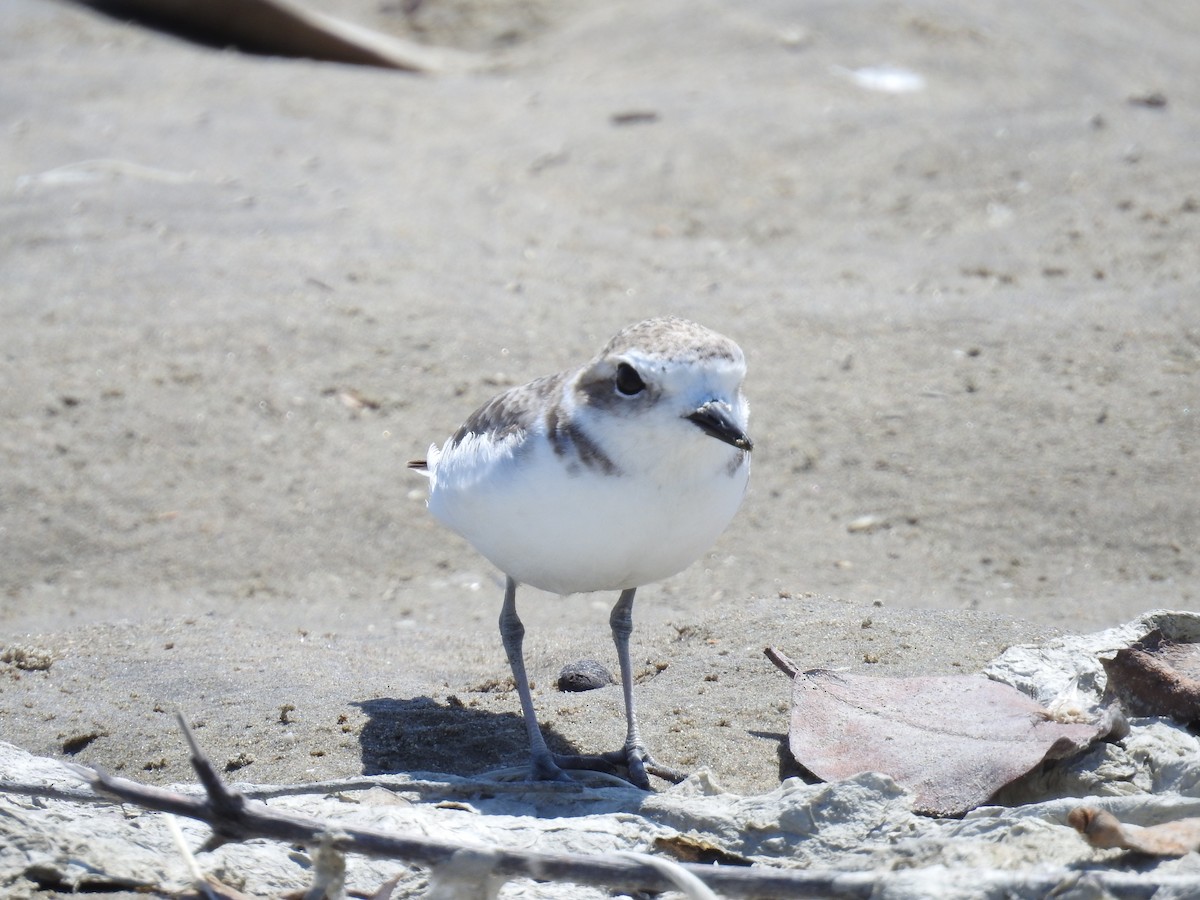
(286, 28)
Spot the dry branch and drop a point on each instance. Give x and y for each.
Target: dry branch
(233, 817)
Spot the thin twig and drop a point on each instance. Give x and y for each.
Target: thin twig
(784, 664)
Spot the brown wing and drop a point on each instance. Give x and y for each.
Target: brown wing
(515, 410)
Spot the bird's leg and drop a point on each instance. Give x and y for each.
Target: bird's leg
(542, 766)
(634, 755)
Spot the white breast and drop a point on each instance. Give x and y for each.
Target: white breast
(583, 530)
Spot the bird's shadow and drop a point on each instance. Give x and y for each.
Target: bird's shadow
(422, 735)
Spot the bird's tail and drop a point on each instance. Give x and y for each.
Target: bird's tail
(428, 464)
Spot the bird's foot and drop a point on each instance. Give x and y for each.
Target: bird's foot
(632, 766)
(547, 767)
(641, 765)
(632, 762)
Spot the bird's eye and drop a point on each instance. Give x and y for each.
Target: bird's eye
(629, 382)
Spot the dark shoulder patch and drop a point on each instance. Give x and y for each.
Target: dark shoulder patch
(514, 411)
(574, 445)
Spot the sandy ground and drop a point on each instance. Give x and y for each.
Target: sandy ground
(237, 293)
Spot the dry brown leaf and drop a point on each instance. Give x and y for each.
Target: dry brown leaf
(690, 848)
(1157, 677)
(1103, 829)
(952, 741)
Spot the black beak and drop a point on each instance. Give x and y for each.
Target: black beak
(713, 419)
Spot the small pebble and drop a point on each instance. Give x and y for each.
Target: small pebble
(866, 524)
(584, 675)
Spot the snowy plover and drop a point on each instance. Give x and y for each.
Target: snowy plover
(604, 477)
